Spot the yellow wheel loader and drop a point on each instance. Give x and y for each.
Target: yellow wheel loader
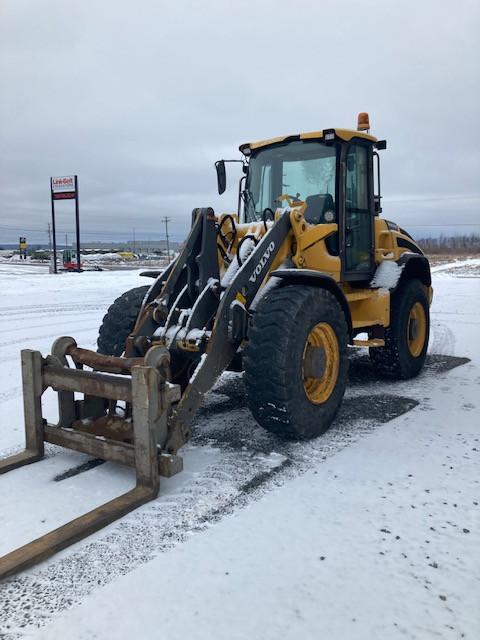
(280, 289)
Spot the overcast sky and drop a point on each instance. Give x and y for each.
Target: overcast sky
(139, 98)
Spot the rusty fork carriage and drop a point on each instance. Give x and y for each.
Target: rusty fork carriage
(96, 425)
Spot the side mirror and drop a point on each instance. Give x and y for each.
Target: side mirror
(221, 176)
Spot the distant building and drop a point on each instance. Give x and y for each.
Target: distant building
(141, 246)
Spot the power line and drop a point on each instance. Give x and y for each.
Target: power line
(96, 211)
(128, 236)
(433, 199)
(12, 206)
(450, 224)
(107, 232)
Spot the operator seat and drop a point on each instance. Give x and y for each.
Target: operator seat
(317, 205)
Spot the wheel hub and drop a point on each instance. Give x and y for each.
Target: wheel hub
(320, 363)
(413, 329)
(416, 329)
(315, 362)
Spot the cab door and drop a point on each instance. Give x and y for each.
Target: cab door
(357, 232)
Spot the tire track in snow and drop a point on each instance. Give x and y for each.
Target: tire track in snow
(71, 309)
(15, 358)
(61, 323)
(21, 339)
(14, 392)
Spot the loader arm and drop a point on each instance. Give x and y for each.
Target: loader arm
(229, 330)
(179, 284)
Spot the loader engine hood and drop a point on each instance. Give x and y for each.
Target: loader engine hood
(403, 238)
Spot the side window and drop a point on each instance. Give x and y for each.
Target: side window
(357, 178)
(358, 217)
(266, 189)
(261, 188)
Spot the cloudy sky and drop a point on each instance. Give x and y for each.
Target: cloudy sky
(139, 98)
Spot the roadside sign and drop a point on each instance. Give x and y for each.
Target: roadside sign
(63, 188)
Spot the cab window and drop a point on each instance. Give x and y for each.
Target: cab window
(303, 169)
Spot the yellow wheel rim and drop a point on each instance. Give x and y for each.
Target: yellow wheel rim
(416, 329)
(319, 389)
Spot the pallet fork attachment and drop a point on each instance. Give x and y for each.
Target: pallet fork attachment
(150, 398)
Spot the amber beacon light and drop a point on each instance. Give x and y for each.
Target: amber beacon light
(363, 122)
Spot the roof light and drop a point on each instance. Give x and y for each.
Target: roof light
(363, 122)
(246, 150)
(328, 134)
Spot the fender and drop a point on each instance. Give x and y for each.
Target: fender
(415, 266)
(318, 279)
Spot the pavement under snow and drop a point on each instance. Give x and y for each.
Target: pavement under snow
(370, 531)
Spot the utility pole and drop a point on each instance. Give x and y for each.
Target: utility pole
(66, 241)
(134, 241)
(49, 233)
(167, 220)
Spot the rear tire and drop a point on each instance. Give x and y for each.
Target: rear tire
(119, 321)
(406, 339)
(289, 323)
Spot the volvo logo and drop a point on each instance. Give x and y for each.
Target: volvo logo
(262, 263)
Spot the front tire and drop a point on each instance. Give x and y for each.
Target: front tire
(406, 339)
(119, 321)
(296, 361)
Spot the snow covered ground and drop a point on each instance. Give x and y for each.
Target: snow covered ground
(371, 531)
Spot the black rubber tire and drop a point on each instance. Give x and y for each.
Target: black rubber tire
(273, 357)
(119, 321)
(395, 360)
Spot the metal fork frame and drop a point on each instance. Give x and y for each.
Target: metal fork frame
(150, 401)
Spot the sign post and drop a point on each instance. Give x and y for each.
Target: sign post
(77, 224)
(65, 188)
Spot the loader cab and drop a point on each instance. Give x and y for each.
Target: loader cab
(332, 172)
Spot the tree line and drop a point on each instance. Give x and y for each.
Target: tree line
(459, 244)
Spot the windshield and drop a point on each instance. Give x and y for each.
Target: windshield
(303, 169)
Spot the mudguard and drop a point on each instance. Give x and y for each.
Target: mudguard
(415, 266)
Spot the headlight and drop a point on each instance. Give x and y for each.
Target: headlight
(329, 216)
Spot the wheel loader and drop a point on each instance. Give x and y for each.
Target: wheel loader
(281, 289)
